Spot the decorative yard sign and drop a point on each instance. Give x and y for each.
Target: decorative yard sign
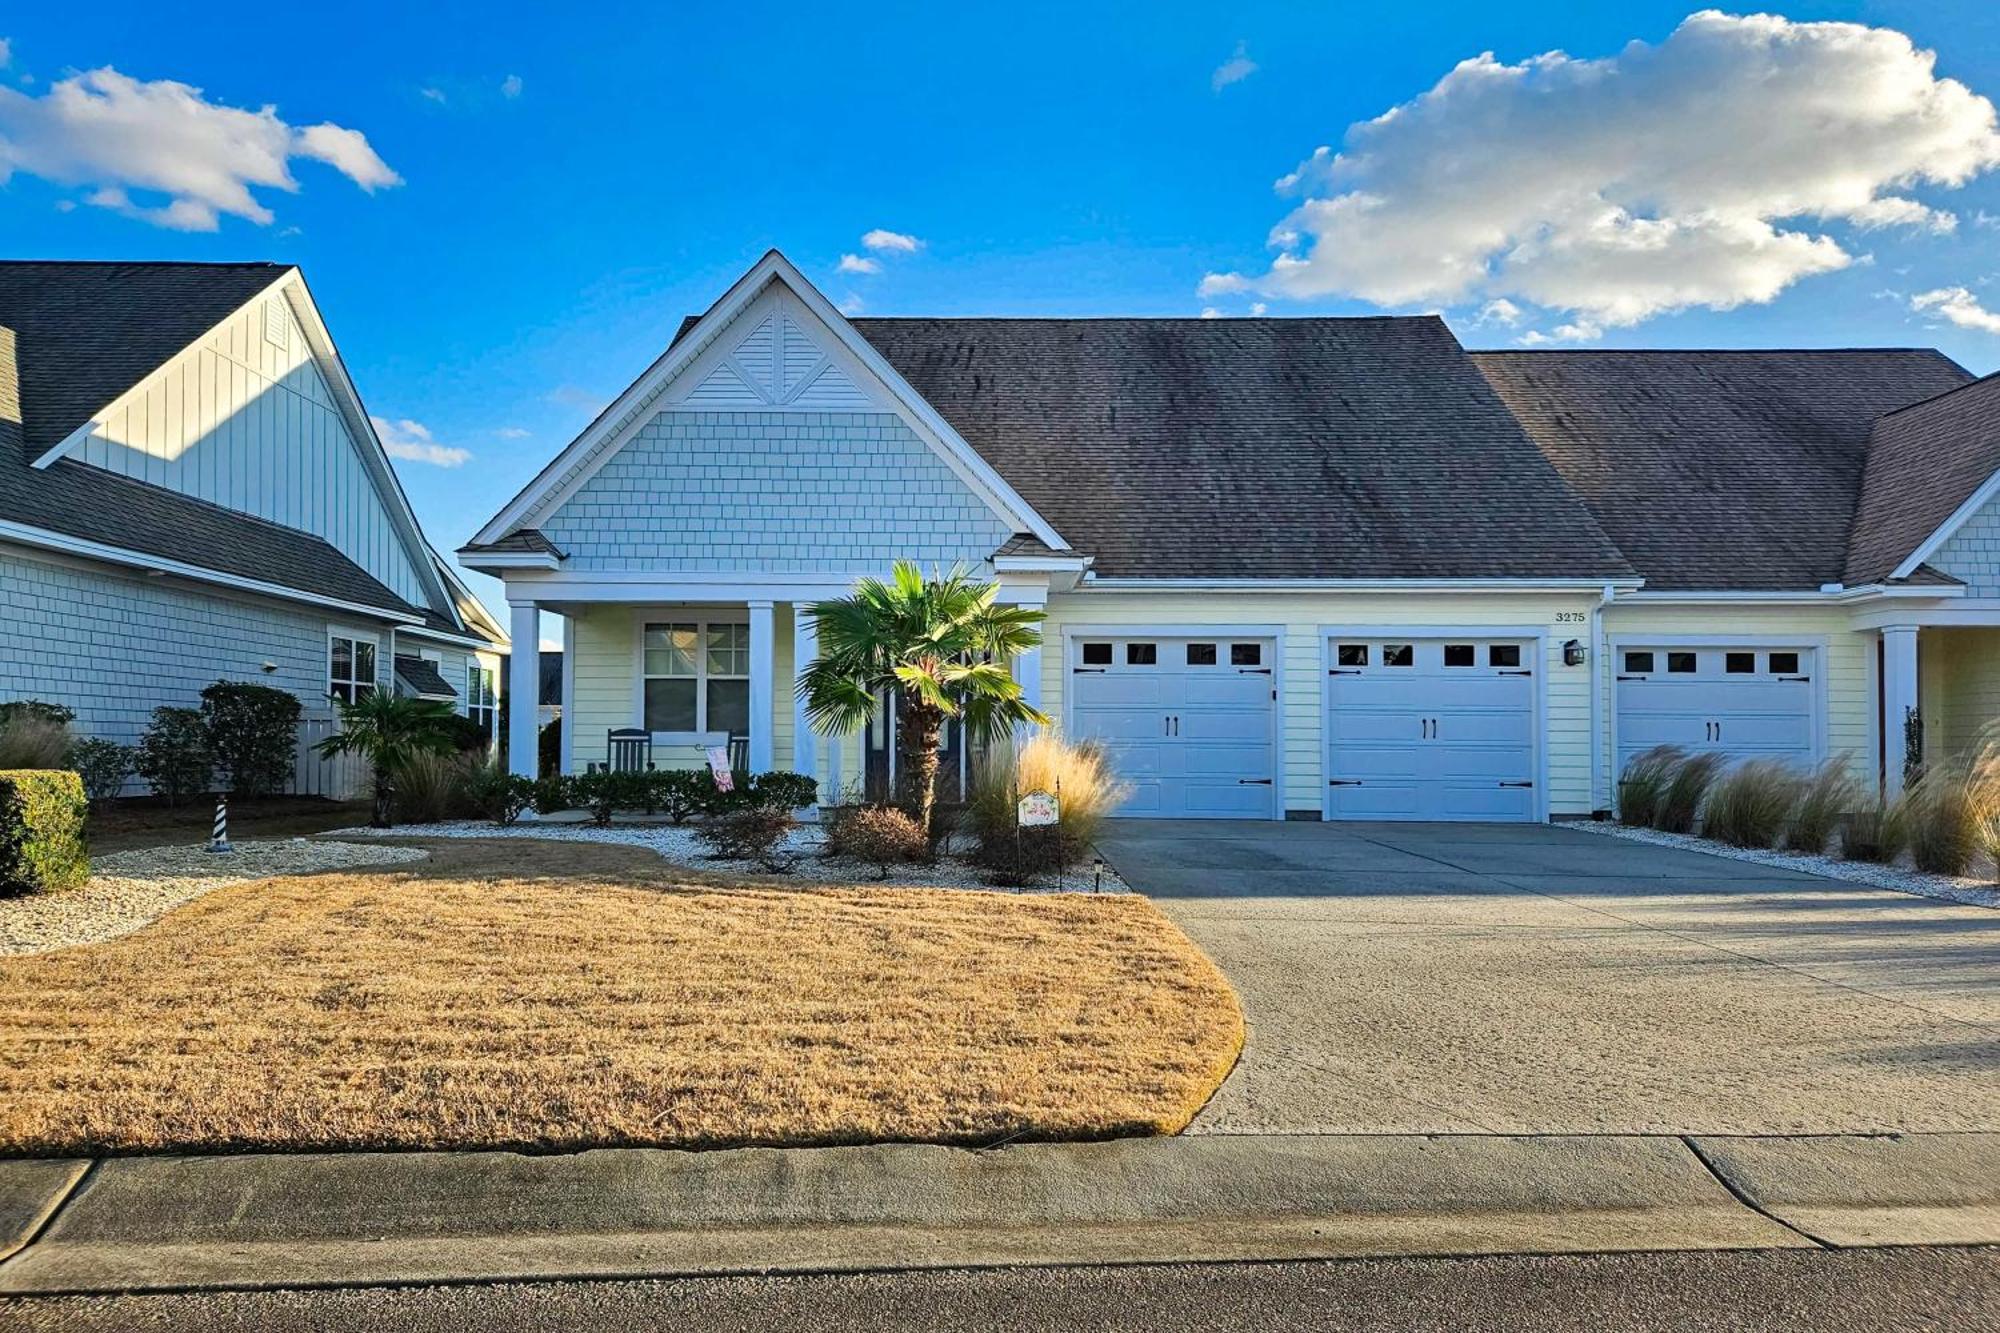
(718, 767)
(1037, 809)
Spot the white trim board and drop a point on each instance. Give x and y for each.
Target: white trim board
(575, 465)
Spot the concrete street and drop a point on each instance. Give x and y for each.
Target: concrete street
(1537, 979)
(1814, 1291)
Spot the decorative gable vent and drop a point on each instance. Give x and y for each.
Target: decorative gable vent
(277, 325)
(779, 364)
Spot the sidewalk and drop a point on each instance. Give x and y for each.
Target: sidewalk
(188, 1223)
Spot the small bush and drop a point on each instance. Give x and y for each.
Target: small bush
(603, 793)
(173, 755)
(779, 790)
(48, 712)
(679, 792)
(1046, 762)
(1682, 800)
(1939, 820)
(1644, 784)
(555, 793)
(548, 748)
(880, 836)
(1752, 804)
(253, 733)
(103, 765)
(1828, 794)
(749, 833)
(497, 794)
(42, 845)
(430, 787)
(33, 740)
(466, 735)
(1875, 836)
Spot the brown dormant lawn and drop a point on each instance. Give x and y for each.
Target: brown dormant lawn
(550, 996)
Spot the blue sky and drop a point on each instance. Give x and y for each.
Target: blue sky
(571, 185)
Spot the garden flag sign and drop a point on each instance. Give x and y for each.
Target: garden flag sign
(1037, 809)
(718, 767)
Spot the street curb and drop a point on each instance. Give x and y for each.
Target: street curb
(1892, 1189)
(185, 1223)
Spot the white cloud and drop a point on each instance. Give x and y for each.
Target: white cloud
(890, 242)
(1233, 70)
(852, 304)
(1959, 306)
(432, 94)
(1258, 307)
(513, 433)
(6, 53)
(116, 134)
(510, 87)
(1210, 312)
(411, 440)
(859, 264)
(1581, 331)
(1499, 311)
(1699, 172)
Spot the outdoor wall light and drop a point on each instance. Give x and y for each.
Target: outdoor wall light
(1573, 654)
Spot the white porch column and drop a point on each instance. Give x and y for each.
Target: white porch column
(1899, 701)
(762, 668)
(1028, 671)
(805, 647)
(524, 685)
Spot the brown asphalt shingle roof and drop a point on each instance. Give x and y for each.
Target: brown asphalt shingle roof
(1718, 470)
(1923, 463)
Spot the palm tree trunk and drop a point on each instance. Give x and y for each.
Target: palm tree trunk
(918, 727)
(385, 801)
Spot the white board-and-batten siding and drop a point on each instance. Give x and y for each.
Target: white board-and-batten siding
(248, 422)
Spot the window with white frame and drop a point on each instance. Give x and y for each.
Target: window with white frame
(350, 667)
(482, 699)
(697, 676)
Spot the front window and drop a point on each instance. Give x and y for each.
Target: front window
(482, 699)
(350, 669)
(697, 677)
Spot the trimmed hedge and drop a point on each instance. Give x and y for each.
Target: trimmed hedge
(42, 845)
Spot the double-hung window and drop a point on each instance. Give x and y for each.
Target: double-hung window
(350, 667)
(482, 699)
(697, 676)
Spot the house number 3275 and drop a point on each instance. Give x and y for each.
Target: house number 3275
(1569, 617)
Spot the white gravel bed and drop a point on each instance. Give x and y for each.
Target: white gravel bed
(1950, 888)
(128, 890)
(803, 848)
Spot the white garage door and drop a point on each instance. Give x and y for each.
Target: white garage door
(1188, 722)
(1431, 729)
(1745, 702)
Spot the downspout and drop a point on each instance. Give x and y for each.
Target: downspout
(1600, 738)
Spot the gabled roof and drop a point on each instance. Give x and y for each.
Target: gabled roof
(1926, 464)
(421, 677)
(1255, 448)
(1718, 470)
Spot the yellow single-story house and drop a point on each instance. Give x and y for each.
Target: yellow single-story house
(1309, 568)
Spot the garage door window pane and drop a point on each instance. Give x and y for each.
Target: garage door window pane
(1504, 655)
(1353, 654)
(1398, 654)
(1681, 662)
(1784, 664)
(1740, 664)
(1458, 655)
(1142, 654)
(1246, 654)
(1201, 654)
(1097, 654)
(1638, 661)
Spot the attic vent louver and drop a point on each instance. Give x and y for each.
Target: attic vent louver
(276, 327)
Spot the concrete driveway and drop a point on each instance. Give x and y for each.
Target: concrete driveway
(1405, 978)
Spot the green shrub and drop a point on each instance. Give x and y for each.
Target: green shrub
(103, 765)
(877, 835)
(779, 790)
(1752, 804)
(605, 792)
(42, 845)
(33, 739)
(749, 833)
(548, 748)
(1682, 800)
(1089, 792)
(1828, 794)
(497, 794)
(253, 733)
(1872, 835)
(430, 787)
(466, 735)
(48, 712)
(679, 792)
(555, 793)
(173, 755)
(1644, 783)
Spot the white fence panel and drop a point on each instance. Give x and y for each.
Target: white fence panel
(341, 779)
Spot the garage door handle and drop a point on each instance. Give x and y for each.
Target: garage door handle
(1088, 671)
(1337, 671)
(1523, 673)
(1632, 678)
(1517, 784)
(1797, 678)
(1253, 671)
(1253, 782)
(1343, 782)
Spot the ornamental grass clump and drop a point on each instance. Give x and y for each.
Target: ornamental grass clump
(430, 787)
(1685, 792)
(1939, 819)
(1827, 795)
(1644, 783)
(1078, 774)
(1874, 836)
(1752, 804)
(33, 740)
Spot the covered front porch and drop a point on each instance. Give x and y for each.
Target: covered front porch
(714, 667)
(1940, 688)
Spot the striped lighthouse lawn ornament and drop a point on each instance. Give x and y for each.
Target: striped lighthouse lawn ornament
(219, 840)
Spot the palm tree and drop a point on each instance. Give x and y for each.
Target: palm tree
(942, 645)
(388, 731)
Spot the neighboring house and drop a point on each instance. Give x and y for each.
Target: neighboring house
(190, 490)
(1307, 568)
(549, 700)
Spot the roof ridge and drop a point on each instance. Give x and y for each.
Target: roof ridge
(1142, 319)
(1702, 351)
(1972, 383)
(146, 263)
